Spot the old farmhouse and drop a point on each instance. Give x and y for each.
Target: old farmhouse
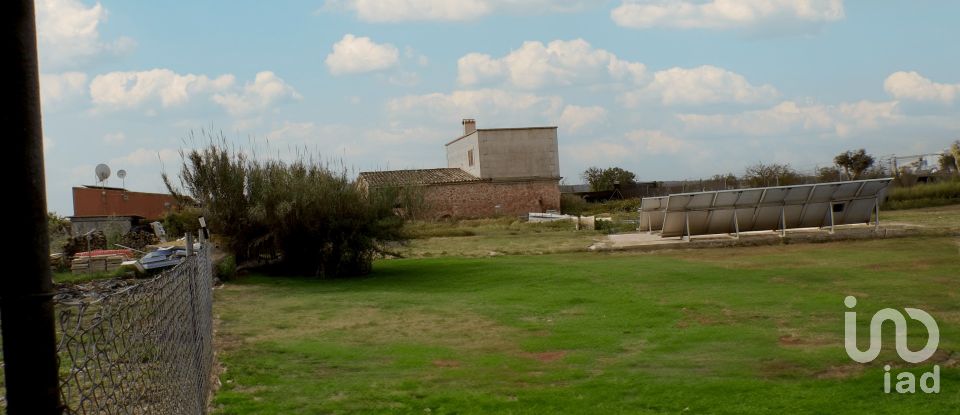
(490, 172)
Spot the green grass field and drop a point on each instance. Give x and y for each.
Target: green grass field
(726, 331)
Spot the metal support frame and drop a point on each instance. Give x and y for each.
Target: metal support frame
(876, 206)
(736, 223)
(686, 228)
(783, 221)
(830, 211)
(26, 295)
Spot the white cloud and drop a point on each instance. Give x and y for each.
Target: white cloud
(913, 86)
(145, 156)
(788, 117)
(166, 89)
(266, 90)
(559, 62)
(360, 54)
(633, 146)
(597, 152)
(473, 68)
(657, 142)
(575, 118)
(481, 103)
(115, 138)
(68, 32)
(697, 86)
(58, 88)
(379, 11)
(402, 136)
(125, 90)
(724, 14)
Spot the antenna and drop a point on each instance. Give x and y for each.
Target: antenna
(103, 173)
(122, 174)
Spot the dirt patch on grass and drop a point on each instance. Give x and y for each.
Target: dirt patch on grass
(841, 371)
(691, 317)
(796, 340)
(446, 363)
(547, 357)
(781, 368)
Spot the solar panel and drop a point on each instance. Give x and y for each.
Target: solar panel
(769, 208)
(651, 213)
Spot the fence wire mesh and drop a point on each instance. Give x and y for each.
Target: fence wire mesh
(146, 349)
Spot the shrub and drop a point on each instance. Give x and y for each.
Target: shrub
(178, 222)
(571, 204)
(625, 205)
(614, 226)
(313, 218)
(226, 268)
(924, 195)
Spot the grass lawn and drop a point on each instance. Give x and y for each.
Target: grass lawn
(728, 331)
(943, 217)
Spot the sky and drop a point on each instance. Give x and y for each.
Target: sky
(669, 89)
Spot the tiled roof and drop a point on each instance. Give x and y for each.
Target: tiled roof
(417, 177)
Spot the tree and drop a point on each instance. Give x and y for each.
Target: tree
(829, 174)
(854, 163)
(948, 163)
(955, 152)
(724, 181)
(603, 179)
(763, 175)
(311, 217)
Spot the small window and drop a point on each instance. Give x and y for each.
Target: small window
(470, 158)
(838, 207)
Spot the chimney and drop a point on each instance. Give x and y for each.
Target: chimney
(469, 125)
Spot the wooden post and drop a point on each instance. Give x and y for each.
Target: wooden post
(26, 293)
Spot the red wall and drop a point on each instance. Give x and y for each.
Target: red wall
(116, 202)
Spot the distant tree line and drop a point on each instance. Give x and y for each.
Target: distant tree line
(848, 165)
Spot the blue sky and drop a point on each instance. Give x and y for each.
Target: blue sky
(671, 89)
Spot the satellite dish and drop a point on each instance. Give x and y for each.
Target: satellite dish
(103, 172)
(121, 173)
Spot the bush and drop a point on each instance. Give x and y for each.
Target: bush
(571, 204)
(314, 219)
(614, 226)
(179, 222)
(924, 195)
(625, 205)
(226, 268)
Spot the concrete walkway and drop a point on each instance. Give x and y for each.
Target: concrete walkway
(652, 241)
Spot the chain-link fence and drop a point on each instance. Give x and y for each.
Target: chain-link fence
(146, 349)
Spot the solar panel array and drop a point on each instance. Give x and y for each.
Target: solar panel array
(651, 213)
(768, 208)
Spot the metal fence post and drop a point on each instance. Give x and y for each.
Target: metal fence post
(26, 306)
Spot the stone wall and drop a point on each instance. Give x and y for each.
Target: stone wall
(491, 198)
